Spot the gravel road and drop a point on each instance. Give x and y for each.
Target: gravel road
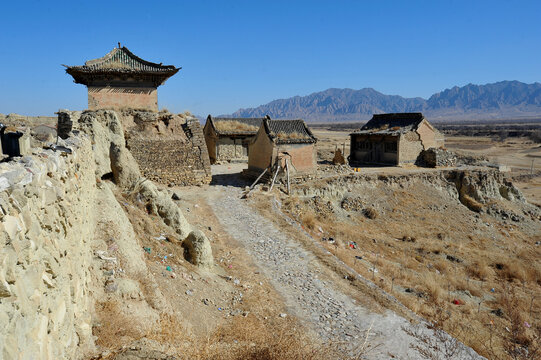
(295, 273)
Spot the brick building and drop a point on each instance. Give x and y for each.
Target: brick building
(227, 139)
(283, 139)
(393, 139)
(121, 80)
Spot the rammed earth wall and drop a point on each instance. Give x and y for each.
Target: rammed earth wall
(47, 224)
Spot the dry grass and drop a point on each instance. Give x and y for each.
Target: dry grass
(481, 264)
(234, 126)
(291, 136)
(480, 269)
(114, 328)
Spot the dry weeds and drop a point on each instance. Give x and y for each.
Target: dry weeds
(441, 265)
(234, 126)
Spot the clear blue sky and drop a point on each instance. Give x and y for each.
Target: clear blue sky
(246, 53)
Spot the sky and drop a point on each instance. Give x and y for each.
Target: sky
(239, 54)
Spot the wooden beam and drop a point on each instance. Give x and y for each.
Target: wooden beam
(259, 177)
(287, 172)
(274, 178)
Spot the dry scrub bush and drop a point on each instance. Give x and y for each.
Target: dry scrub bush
(115, 328)
(479, 269)
(442, 266)
(251, 338)
(309, 220)
(371, 213)
(431, 285)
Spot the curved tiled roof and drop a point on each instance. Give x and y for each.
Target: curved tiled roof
(288, 131)
(120, 61)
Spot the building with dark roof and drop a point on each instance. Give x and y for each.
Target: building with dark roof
(280, 140)
(227, 139)
(121, 80)
(393, 139)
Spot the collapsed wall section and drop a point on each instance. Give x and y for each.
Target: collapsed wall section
(47, 223)
(169, 153)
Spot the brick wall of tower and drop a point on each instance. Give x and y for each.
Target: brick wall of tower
(119, 98)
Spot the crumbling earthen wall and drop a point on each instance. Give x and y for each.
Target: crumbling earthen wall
(303, 156)
(116, 98)
(47, 224)
(409, 148)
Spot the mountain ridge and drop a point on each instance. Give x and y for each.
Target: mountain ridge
(490, 101)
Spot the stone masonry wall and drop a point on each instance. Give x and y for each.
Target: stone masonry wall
(231, 149)
(47, 223)
(172, 161)
(409, 148)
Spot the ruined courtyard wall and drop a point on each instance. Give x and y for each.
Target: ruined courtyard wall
(47, 223)
(173, 161)
(427, 136)
(231, 149)
(116, 98)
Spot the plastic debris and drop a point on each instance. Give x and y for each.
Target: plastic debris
(161, 237)
(458, 302)
(358, 257)
(353, 245)
(526, 324)
(147, 250)
(283, 315)
(492, 290)
(168, 268)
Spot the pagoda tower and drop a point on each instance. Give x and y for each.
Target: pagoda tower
(121, 80)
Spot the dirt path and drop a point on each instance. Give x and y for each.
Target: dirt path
(297, 276)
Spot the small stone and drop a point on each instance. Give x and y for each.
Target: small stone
(189, 292)
(283, 315)
(175, 196)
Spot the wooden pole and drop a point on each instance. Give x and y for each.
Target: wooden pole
(287, 172)
(274, 178)
(259, 177)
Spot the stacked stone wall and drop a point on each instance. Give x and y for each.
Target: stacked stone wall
(173, 161)
(437, 157)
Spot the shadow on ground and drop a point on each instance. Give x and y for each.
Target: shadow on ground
(234, 179)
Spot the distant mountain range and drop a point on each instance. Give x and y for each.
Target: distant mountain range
(501, 100)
